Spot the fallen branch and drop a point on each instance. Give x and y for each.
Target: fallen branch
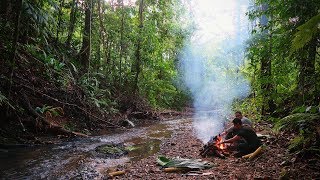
(116, 173)
(69, 104)
(52, 126)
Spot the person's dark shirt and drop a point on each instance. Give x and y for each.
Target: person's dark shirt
(248, 134)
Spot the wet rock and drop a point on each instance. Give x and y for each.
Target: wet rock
(111, 150)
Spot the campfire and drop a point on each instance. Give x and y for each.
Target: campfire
(220, 146)
(213, 149)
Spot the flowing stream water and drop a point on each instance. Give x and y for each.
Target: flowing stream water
(78, 158)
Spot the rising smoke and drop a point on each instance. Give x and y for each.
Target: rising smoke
(211, 62)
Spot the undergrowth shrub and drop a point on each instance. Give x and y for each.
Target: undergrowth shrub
(306, 127)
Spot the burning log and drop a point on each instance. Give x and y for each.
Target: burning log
(213, 149)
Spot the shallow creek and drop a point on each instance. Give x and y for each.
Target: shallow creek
(78, 158)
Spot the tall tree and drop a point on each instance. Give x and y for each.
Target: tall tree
(121, 42)
(16, 30)
(138, 50)
(59, 19)
(268, 105)
(7, 8)
(85, 50)
(288, 78)
(72, 21)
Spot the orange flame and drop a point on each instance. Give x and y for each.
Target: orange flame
(221, 146)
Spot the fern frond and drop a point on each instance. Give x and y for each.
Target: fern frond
(4, 101)
(296, 143)
(305, 33)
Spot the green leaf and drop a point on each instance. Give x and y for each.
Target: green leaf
(306, 32)
(74, 68)
(183, 163)
(312, 109)
(131, 148)
(297, 142)
(162, 160)
(38, 110)
(301, 109)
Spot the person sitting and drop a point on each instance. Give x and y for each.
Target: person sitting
(245, 120)
(232, 131)
(249, 139)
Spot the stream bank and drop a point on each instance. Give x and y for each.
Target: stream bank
(77, 159)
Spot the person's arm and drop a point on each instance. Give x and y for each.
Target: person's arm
(227, 131)
(223, 133)
(231, 140)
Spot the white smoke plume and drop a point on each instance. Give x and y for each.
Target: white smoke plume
(211, 62)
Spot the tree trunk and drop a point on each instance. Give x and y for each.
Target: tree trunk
(73, 16)
(311, 73)
(121, 43)
(4, 11)
(16, 31)
(108, 56)
(138, 50)
(103, 32)
(59, 20)
(306, 79)
(84, 53)
(100, 39)
(317, 75)
(268, 105)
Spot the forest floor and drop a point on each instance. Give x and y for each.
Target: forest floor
(274, 163)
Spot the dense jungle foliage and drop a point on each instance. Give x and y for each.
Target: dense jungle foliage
(88, 61)
(283, 67)
(77, 64)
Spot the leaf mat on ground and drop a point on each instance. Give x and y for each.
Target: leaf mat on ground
(182, 162)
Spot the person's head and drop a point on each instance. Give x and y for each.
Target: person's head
(238, 114)
(237, 123)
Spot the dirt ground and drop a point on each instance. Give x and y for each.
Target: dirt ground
(275, 162)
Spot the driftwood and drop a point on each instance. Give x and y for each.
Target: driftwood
(54, 128)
